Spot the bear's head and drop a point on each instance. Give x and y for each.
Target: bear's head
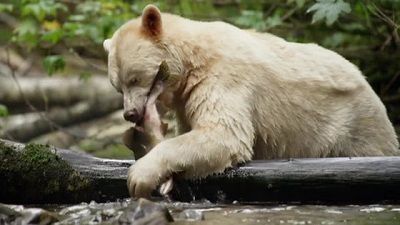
(135, 53)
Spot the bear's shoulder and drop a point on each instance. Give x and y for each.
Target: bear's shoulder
(309, 64)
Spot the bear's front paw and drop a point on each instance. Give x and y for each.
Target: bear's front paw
(143, 178)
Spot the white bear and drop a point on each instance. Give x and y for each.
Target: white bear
(242, 95)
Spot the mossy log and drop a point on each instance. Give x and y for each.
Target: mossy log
(33, 178)
(36, 173)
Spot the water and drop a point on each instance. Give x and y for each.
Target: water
(299, 214)
(205, 213)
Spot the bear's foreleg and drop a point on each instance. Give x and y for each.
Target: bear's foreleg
(220, 138)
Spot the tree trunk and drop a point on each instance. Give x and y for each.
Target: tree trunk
(326, 180)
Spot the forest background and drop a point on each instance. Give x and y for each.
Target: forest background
(53, 70)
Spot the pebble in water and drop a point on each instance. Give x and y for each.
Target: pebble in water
(191, 215)
(332, 211)
(145, 212)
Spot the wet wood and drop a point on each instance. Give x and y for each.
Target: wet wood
(324, 180)
(358, 180)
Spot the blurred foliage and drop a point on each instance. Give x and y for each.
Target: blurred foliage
(3, 111)
(111, 151)
(53, 63)
(364, 31)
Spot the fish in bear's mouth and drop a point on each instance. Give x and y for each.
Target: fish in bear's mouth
(162, 75)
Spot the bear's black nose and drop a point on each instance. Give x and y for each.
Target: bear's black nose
(131, 115)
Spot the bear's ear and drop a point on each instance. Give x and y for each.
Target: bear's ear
(106, 45)
(151, 21)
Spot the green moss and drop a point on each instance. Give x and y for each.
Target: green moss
(115, 151)
(39, 172)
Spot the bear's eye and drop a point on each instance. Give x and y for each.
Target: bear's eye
(133, 82)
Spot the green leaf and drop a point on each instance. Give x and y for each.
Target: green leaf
(53, 63)
(273, 21)
(28, 26)
(26, 33)
(42, 9)
(51, 8)
(3, 111)
(328, 10)
(334, 41)
(74, 29)
(33, 10)
(53, 36)
(251, 19)
(89, 8)
(6, 7)
(299, 3)
(93, 33)
(77, 18)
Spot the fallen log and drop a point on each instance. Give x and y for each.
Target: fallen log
(23, 127)
(44, 91)
(44, 174)
(101, 131)
(361, 180)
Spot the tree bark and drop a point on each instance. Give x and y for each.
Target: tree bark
(326, 180)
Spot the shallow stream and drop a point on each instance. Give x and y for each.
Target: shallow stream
(208, 213)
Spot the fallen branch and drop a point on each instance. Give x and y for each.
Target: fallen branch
(325, 180)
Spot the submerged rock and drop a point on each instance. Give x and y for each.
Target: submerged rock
(93, 213)
(145, 212)
(191, 215)
(19, 215)
(126, 212)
